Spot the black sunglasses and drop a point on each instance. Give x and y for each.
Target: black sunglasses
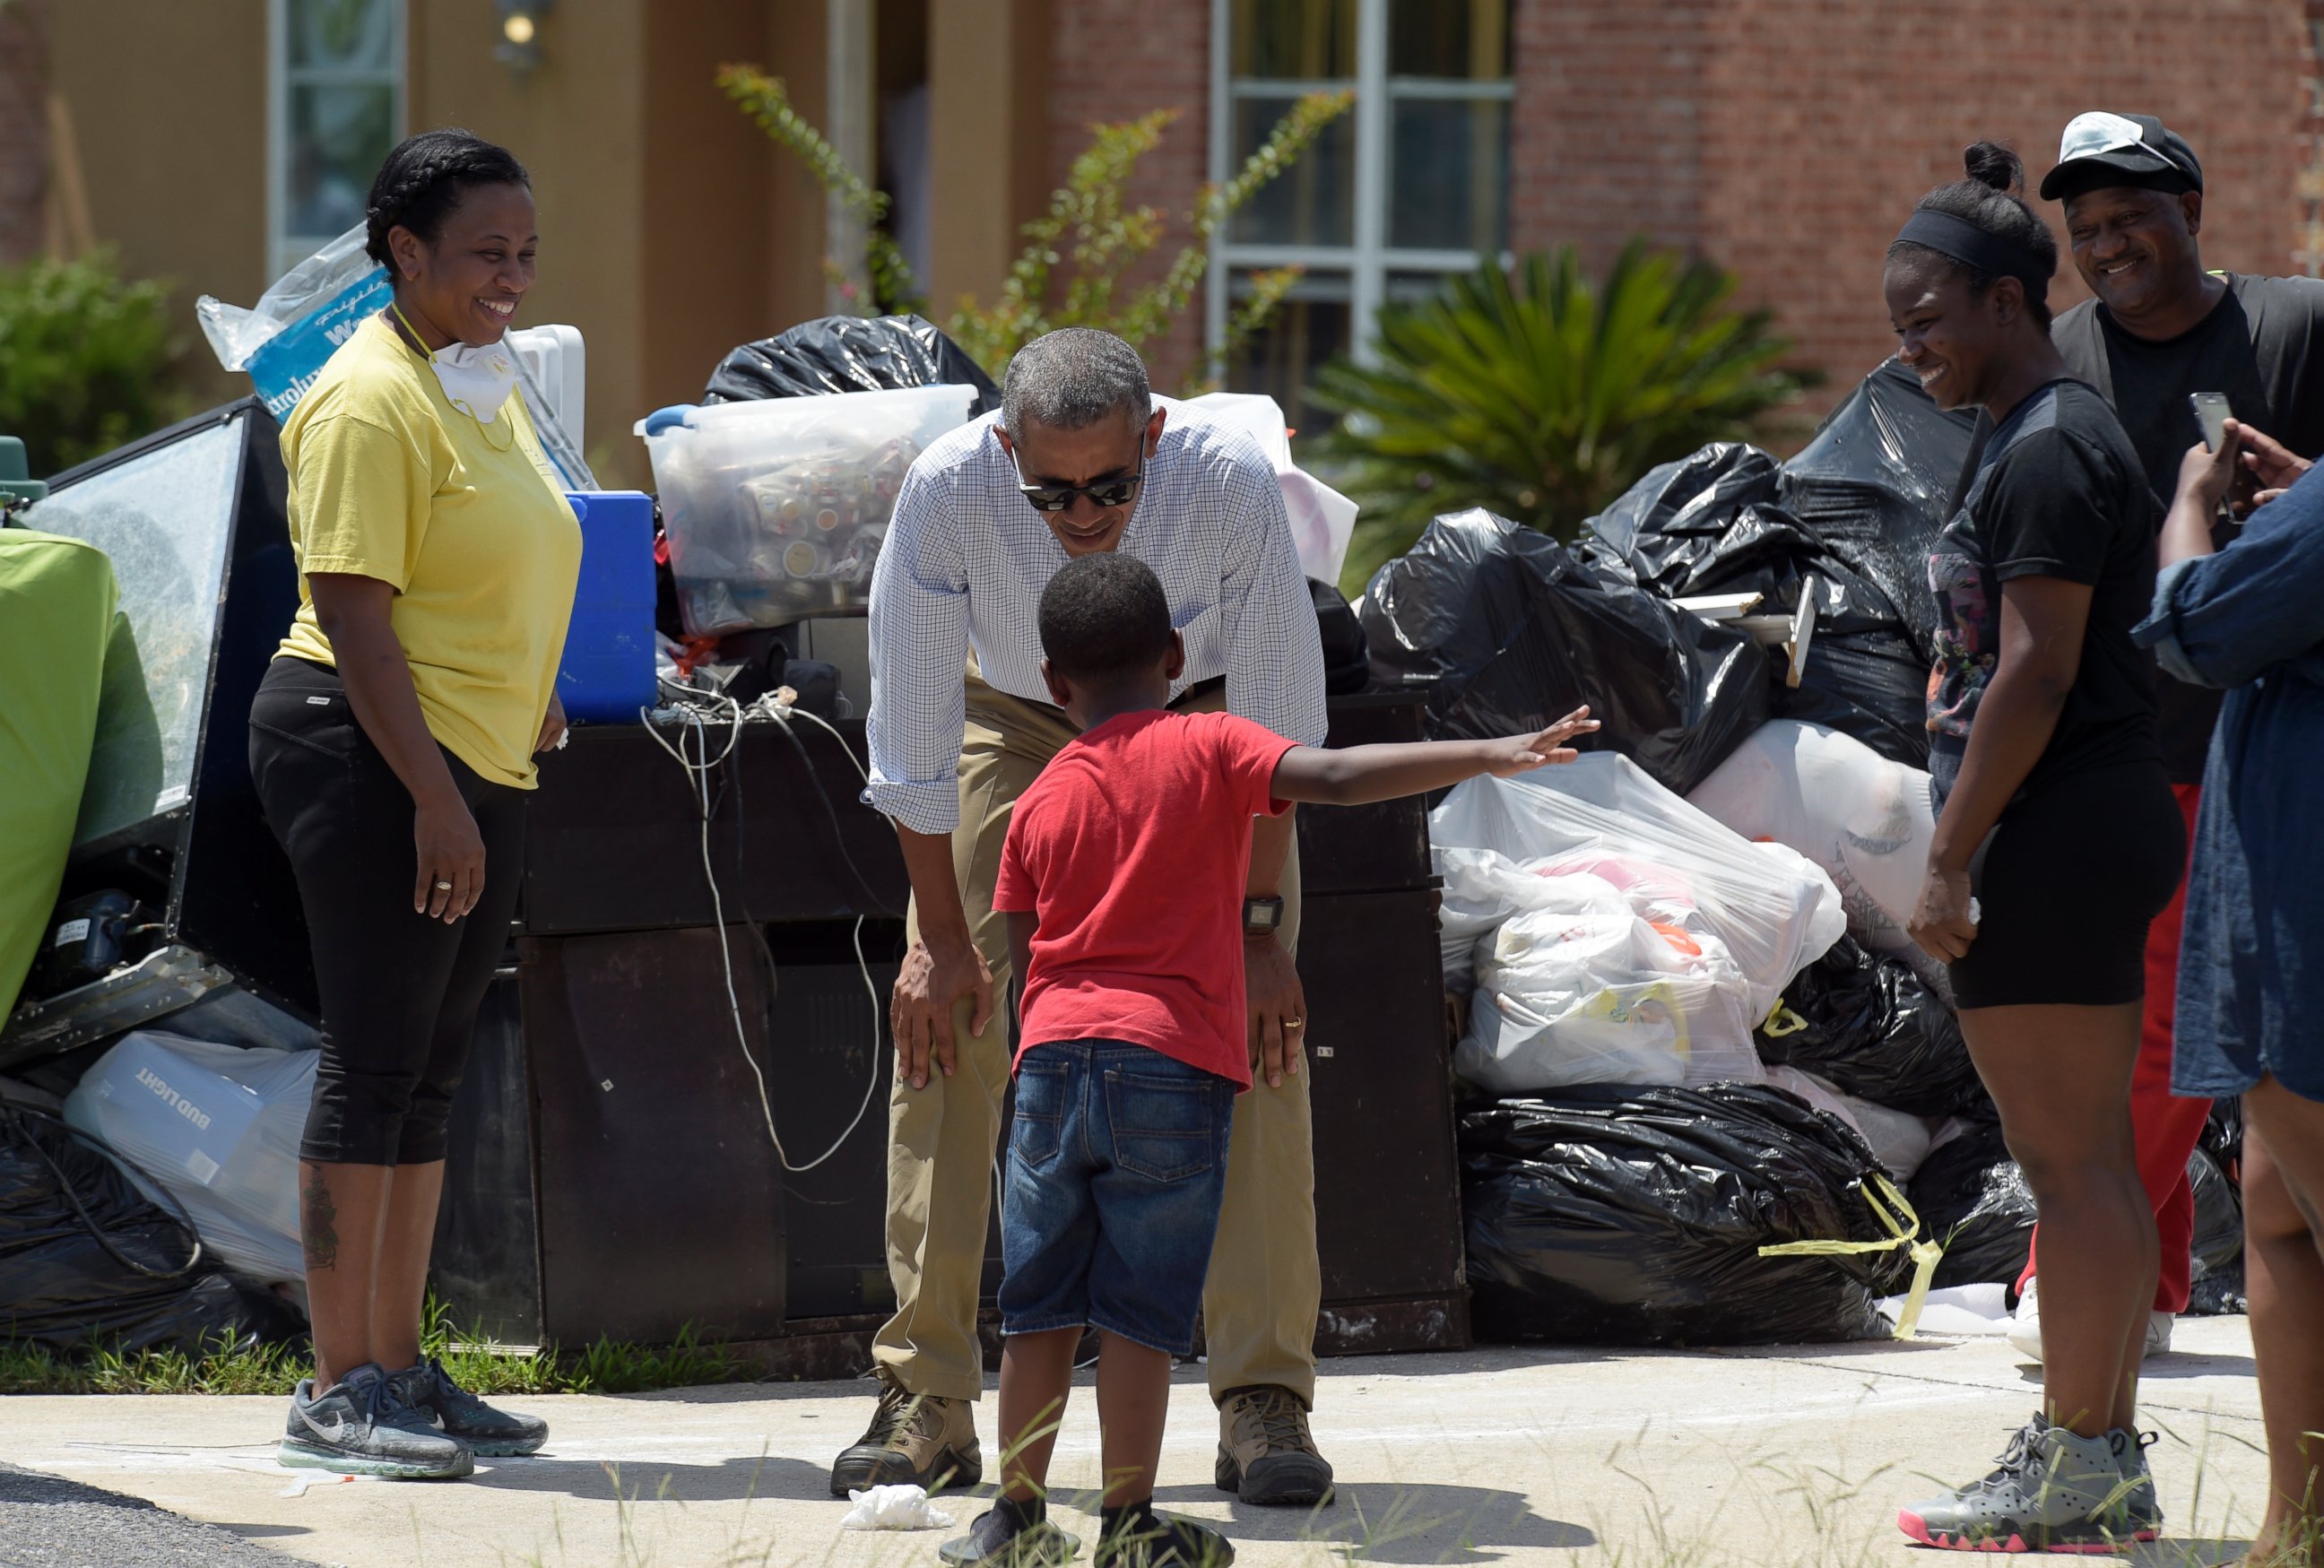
(1103, 492)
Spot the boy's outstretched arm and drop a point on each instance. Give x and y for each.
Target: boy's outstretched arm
(1366, 774)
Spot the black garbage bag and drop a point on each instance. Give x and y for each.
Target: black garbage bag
(1511, 631)
(84, 1257)
(1347, 658)
(2218, 1218)
(1971, 1196)
(1870, 1026)
(1666, 525)
(1875, 485)
(1864, 673)
(1615, 1215)
(844, 353)
(1870, 685)
(2223, 1138)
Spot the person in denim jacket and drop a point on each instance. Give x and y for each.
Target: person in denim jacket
(2250, 619)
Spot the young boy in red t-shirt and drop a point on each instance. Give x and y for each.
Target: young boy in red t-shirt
(1122, 877)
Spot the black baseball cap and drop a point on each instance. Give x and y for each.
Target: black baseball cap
(2100, 149)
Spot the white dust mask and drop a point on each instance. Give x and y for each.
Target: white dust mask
(477, 379)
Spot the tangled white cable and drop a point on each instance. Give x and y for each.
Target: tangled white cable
(779, 706)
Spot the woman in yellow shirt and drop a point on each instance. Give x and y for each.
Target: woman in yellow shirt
(391, 742)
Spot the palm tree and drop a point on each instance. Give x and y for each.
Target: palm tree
(1541, 397)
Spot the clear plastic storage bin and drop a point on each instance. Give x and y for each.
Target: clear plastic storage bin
(776, 510)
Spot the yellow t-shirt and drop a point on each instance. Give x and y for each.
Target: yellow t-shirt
(467, 522)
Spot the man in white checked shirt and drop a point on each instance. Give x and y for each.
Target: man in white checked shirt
(1080, 459)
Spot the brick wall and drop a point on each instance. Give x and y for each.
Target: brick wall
(1116, 59)
(23, 130)
(1787, 139)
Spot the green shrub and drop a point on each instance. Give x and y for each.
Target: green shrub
(1540, 396)
(84, 359)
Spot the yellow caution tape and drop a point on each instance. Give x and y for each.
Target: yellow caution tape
(1780, 1021)
(1905, 1228)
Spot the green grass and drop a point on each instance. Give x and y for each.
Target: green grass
(476, 1362)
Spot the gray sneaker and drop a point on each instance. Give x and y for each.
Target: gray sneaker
(489, 1432)
(364, 1425)
(2142, 1503)
(2052, 1491)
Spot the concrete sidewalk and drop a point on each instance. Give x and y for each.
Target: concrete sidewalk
(1747, 1457)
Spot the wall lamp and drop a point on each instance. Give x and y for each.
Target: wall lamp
(520, 45)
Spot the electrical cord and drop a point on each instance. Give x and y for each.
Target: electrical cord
(690, 704)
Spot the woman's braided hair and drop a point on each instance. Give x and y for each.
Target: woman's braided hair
(421, 183)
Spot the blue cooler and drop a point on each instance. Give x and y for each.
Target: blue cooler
(607, 673)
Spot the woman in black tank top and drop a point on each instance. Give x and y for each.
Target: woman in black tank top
(2057, 837)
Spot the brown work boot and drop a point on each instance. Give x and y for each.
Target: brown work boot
(914, 1440)
(1267, 1455)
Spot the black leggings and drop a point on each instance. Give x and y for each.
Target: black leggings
(400, 991)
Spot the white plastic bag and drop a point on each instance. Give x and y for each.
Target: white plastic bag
(1635, 940)
(237, 335)
(1865, 820)
(218, 1129)
(777, 509)
(1322, 519)
(893, 1508)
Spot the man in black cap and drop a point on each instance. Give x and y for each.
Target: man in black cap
(2160, 328)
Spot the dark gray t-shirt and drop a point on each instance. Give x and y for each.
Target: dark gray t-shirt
(2263, 345)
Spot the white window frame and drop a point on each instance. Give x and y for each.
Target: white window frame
(1368, 259)
(285, 251)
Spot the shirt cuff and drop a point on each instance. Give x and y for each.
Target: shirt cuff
(929, 808)
(2158, 630)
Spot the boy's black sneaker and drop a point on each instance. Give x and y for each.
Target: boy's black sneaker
(364, 1425)
(489, 1432)
(1146, 1539)
(1012, 1535)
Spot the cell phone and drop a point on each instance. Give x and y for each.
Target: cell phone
(2211, 412)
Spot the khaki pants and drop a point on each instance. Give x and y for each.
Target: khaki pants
(1265, 1284)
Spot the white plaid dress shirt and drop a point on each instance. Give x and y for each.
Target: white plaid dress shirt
(965, 561)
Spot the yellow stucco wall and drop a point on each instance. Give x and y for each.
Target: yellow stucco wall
(670, 228)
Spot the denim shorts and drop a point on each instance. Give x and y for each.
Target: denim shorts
(1117, 1168)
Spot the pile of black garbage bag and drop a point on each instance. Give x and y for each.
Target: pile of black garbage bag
(1510, 629)
(1615, 1215)
(85, 1258)
(1625, 1215)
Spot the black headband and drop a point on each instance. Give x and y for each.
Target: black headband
(1966, 243)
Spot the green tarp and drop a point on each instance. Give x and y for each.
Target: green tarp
(57, 600)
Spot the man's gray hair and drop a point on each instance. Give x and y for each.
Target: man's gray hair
(1072, 378)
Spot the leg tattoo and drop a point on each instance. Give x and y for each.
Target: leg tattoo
(318, 1222)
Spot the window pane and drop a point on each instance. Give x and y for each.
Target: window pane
(1406, 288)
(1449, 174)
(1465, 40)
(1284, 356)
(343, 34)
(1311, 203)
(339, 136)
(1302, 40)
